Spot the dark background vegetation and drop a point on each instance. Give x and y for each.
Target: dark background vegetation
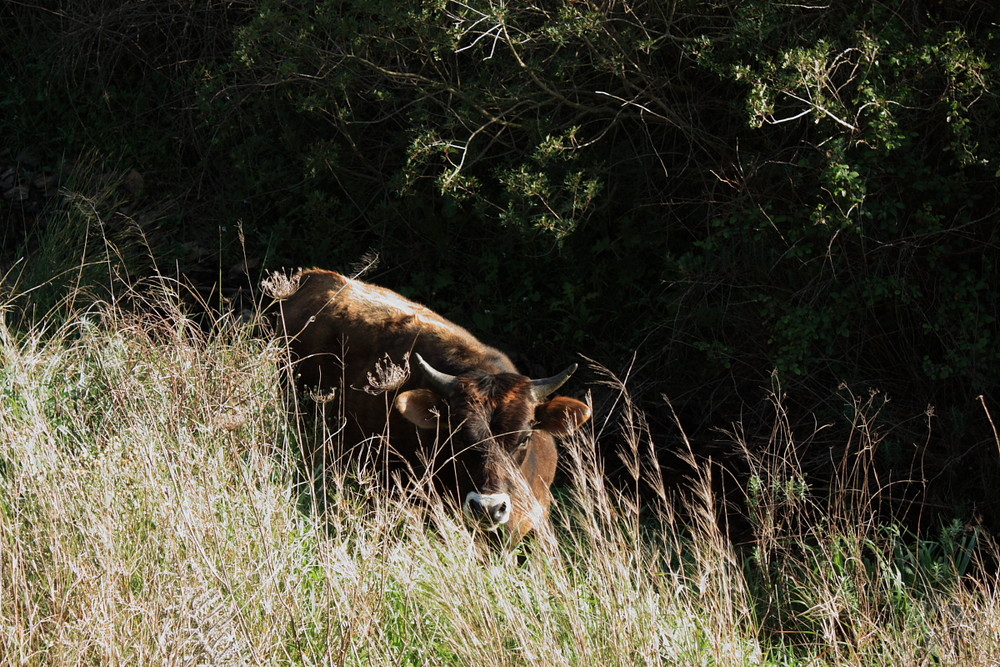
(712, 199)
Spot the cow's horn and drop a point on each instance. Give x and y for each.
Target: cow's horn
(542, 388)
(442, 382)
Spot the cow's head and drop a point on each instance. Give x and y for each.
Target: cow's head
(500, 430)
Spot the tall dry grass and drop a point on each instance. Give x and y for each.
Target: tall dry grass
(154, 509)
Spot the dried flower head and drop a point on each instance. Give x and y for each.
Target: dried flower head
(387, 375)
(280, 286)
(322, 397)
(230, 421)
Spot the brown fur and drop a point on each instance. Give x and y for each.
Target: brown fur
(501, 440)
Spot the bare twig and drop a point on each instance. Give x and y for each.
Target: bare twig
(996, 437)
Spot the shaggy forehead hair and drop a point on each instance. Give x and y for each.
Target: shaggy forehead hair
(495, 406)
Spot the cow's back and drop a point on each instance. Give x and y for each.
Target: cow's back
(338, 328)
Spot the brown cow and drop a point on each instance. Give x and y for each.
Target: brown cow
(494, 426)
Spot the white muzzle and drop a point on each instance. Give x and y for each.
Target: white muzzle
(489, 510)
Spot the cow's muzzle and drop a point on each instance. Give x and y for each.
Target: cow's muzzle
(489, 511)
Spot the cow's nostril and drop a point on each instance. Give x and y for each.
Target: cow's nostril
(488, 510)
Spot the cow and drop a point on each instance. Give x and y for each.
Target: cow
(495, 427)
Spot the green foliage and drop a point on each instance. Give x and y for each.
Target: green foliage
(88, 243)
(887, 180)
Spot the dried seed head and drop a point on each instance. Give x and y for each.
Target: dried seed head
(280, 286)
(230, 421)
(387, 375)
(323, 397)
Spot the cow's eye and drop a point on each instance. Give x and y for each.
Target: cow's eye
(521, 446)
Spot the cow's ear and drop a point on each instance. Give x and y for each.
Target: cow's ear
(561, 415)
(422, 407)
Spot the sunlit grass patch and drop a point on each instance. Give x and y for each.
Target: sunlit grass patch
(155, 508)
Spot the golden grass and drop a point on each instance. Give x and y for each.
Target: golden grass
(153, 510)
